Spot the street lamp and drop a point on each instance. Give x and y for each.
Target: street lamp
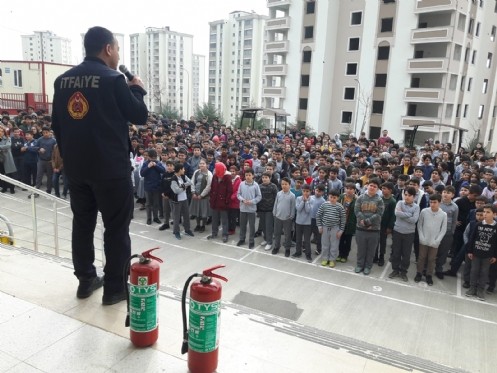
(188, 93)
(357, 105)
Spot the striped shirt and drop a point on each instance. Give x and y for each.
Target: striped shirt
(330, 215)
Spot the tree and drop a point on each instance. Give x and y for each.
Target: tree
(170, 112)
(208, 111)
(473, 138)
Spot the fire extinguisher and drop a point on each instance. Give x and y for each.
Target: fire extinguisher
(201, 340)
(143, 298)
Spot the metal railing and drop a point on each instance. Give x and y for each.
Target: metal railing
(42, 223)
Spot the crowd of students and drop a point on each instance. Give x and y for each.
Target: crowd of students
(324, 190)
(311, 189)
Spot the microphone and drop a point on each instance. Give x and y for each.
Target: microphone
(126, 72)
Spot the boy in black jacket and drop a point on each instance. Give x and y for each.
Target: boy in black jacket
(167, 193)
(482, 251)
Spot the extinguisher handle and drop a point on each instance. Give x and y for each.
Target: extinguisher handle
(209, 272)
(146, 254)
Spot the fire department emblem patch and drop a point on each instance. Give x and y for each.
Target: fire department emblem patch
(77, 106)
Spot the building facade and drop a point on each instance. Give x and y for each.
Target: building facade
(199, 80)
(235, 63)
(164, 60)
(352, 66)
(46, 46)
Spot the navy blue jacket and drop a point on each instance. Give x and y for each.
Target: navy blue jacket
(152, 176)
(92, 106)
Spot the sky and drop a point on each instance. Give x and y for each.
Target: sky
(69, 19)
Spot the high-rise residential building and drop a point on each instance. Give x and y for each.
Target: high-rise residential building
(46, 46)
(198, 79)
(164, 60)
(340, 66)
(235, 62)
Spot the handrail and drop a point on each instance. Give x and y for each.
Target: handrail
(36, 213)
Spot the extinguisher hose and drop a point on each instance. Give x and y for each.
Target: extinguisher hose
(184, 347)
(126, 287)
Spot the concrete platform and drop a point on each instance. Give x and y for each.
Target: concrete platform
(279, 314)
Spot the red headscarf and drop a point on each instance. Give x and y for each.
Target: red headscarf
(219, 169)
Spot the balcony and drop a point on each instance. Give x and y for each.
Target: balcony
(432, 35)
(277, 46)
(410, 121)
(273, 92)
(427, 65)
(278, 3)
(424, 95)
(278, 24)
(425, 6)
(275, 70)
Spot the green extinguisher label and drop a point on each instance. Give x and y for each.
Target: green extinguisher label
(143, 306)
(203, 335)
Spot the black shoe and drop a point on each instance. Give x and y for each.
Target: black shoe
(403, 276)
(394, 274)
(417, 278)
(439, 275)
(211, 236)
(12, 191)
(201, 228)
(240, 243)
(88, 285)
(296, 255)
(257, 234)
(197, 228)
(156, 220)
(309, 259)
(251, 246)
(287, 253)
(4, 190)
(189, 233)
(450, 273)
(163, 227)
(381, 261)
(209, 220)
(375, 259)
(490, 289)
(465, 285)
(225, 239)
(113, 298)
(275, 251)
(317, 251)
(192, 217)
(149, 221)
(429, 280)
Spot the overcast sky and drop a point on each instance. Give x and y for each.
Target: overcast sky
(71, 18)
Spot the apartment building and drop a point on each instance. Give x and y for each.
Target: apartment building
(164, 60)
(46, 46)
(347, 66)
(235, 63)
(199, 80)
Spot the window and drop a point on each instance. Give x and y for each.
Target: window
(308, 32)
(304, 80)
(458, 110)
(380, 80)
(465, 111)
(466, 55)
(383, 53)
(349, 93)
(471, 25)
(346, 117)
(415, 82)
(470, 81)
(353, 44)
(388, 1)
(462, 83)
(351, 69)
(485, 86)
(492, 33)
(494, 112)
(310, 7)
(17, 78)
(386, 25)
(303, 104)
(473, 58)
(489, 60)
(411, 110)
(306, 56)
(481, 110)
(477, 31)
(377, 107)
(1, 80)
(355, 19)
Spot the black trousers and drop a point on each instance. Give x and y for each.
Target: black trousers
(114, 199)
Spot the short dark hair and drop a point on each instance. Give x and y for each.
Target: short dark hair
(491, 207)
(178, 166)
(450, 189)
(249, 171)
(96, 38)
(286, 180)
(334, 192)
(388, 185)
(410, 190)
(436, 197)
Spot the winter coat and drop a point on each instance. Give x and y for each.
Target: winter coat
(234, 202)
(6, 157)
(221, 191)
